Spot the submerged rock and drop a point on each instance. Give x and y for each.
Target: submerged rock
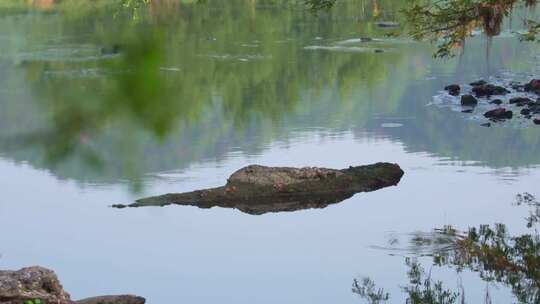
(517, 86)
(258, 189)
(496, 102)
(110, 50)
(468, 100)
(498, 114)
(387, 24)
(487, 90)
(520, 101)
(38, 283)
(453, 89)
(525, 112)
(478, 83)
(536, 121)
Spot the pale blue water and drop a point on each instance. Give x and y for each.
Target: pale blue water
(76, 137)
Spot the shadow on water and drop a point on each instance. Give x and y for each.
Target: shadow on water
(489, 251)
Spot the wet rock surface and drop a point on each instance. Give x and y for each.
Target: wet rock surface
(258, 189)
(453, 89)
(487, 90)
(520, 101)
(38, 283)
(533, 86)
(499, 114)
(468, 100)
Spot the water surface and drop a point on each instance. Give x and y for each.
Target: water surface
(101, 104)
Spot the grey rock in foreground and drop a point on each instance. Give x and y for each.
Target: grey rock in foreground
(38, 283)
(29, 284)
(258, 189)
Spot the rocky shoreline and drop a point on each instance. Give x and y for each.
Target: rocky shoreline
(526, 105)
(38, 285)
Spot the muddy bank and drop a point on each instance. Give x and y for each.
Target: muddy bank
(258, 189)
(40, 285)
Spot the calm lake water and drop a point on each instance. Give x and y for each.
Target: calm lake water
(104, 104)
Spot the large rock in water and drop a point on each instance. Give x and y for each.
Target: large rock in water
(38, 283)
(258, 189)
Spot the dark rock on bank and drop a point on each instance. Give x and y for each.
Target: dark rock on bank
(38, 283)
(453, 89)
(535, 108)
(525, 112)
(487, 90)
(258, 189)
(533, 86)
(468, 100)
(498, 114)
(521, 101)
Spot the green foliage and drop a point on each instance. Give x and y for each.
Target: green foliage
(34, 301)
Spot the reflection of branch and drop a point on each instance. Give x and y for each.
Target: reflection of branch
(367, 290)
(490, 251)
(454, 20)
